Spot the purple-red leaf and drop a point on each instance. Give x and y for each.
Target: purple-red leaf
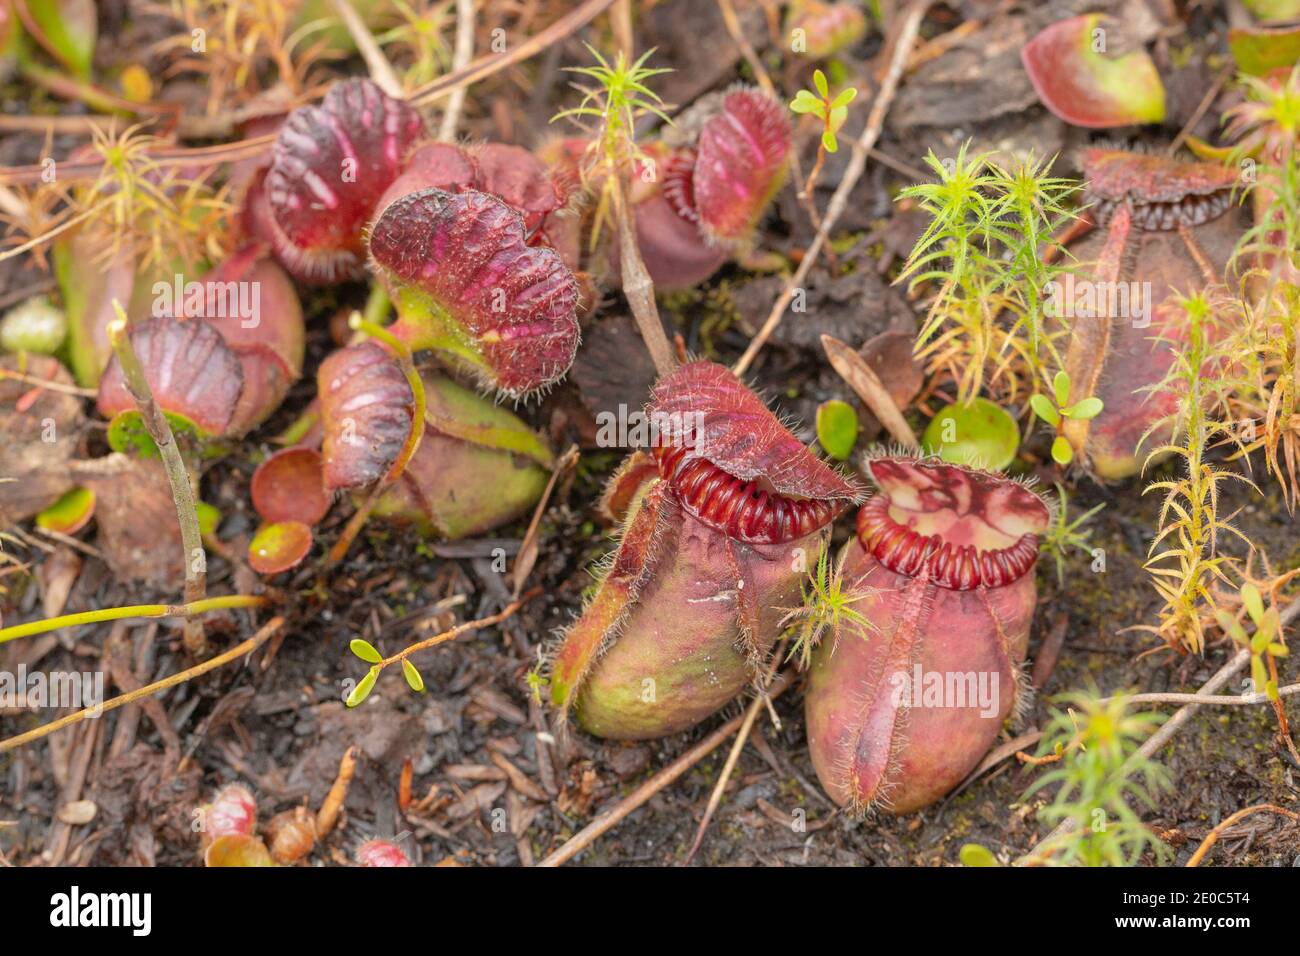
(465, 281)
(366, 413)
(330, 166)
(190, 369)
(734, 465)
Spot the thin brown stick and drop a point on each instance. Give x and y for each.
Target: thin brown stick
(212, 663)
(1212, 837)
(909, 27)
(460, 59)
(466, 628)
(328, 815)
(620, 24)
(377, 65)
(178, 476)
(863, 379)
(528, 550)
(638, 287)
(732, 23)
(1201, 107)
(485, 66)
(638, 797)
(49, 384)
(1220, 700)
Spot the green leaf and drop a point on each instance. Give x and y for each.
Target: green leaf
(1044, 409)
(363, 689)
(70, 513)
(127, 433)
(1061, 387)
(837, 428)
(979, 433)
(365, 650)
(972, 854)
(819, 81)
(828, 140)
(838, 116)
(1083, 410)
(1062, 453)
(68, 30)
(1254, 602)
(845, 98)
(805, 102)
(413, 678)
(1258, 674)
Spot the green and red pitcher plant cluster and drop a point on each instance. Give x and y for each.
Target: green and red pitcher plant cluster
(723, 521)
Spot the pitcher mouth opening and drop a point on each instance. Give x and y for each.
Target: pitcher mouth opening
(964, 529)
(748, 511)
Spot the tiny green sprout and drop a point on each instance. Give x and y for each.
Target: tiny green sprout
(1064, 534)
(365, 650)
(1265, 644)
(537, 683)
(619, 97)
(363, 688)
(1055, 412)
(832, 112)
(837, 428)
(978, 433)
(827, 604)
(412, 675)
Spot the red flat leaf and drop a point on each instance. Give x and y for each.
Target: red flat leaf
(330, 166)
(290, 486)
(278, 547)
(433, 166)
(465, 281)
(1083, 84)
(516, 176)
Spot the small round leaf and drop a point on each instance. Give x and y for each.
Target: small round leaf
(1088, 408)
(1044, 409)
(980, 433)
(279, 546)
(1061, 387)
(972, 854)
(1062, 453)
(837, 428)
